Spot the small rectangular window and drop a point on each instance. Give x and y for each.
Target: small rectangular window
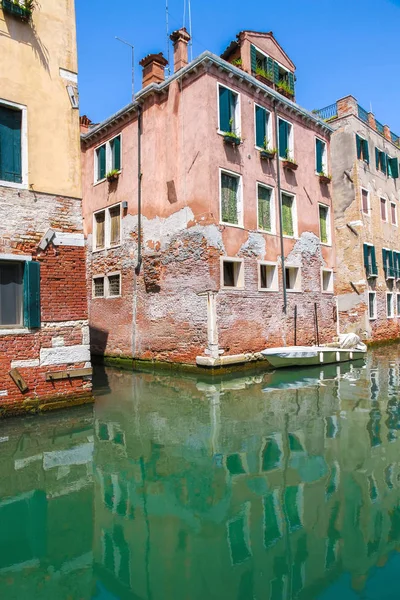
(98, 287)
(324, 224)
(370, 260)
(107, 158)
(115, 225)
(381, 160)
(389, 305)
(231, 211)
(365, 201)
(288, 215)
(10, 144)
(388, 263)
(327, 280)
(393, 167)
(266, 214)
(393, 213)
(362, 149)
(268, 277)
(383, 209)
(285, 139)
(114, 285)
(320, 157)
(262, 128)
(372, 305)
(228, 110)
(100, 231)
(232, 273)
(11, 294)
(101, 162)
(292, 279)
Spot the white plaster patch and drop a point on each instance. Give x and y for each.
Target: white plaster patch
(58, 341)
(162, 230)
(308, 243)
(68, 239)
(58, 324)
(80, 455)
(23, 364)
(64, 355)
(212, 234)
(3, 393)
(85, 335)
(255, 244)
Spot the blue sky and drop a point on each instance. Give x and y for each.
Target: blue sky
(339, 47)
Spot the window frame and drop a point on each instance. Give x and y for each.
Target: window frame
(268, 126)
(330, 290)
(237, 120)
(298, 284)
(107, 228)
(109, 167)
(290, 140)
(374, 316)
(386, 220)
(240, 275)
(328, 224)
(240, 210)
(275, 279)
(393, 204)
(24, 145)
(362, 157)
(379, 169)
(20, 265)
(99, 276)
(273, 208)
(324, 156)
(366, 214)
(107, 290)
(294, 216)
(391, 294)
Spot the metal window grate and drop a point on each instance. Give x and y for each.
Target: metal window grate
(98, 287)
(114, 285)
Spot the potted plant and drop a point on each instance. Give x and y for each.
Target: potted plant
(324, 178)
(238, 63)
(289, 162)
(264, 76)
(112, 175)
(267, 153)
(284, 88)
(230, 137)
(22, 11)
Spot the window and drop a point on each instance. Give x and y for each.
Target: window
(19, 294)
(229, 110)
(264, 65)
(320, 157)
(11, 130)
(98, 287)
(372, 305)
(393, 213)
(263, 127)
(285, 139)
(396, 261)
(288, 215)
(268, 277)
(398, 304)
(107, 158)
(387, 261)
(293, 279)
(362, 149)
(107, 228)
(239, 537)
(324, 224)
(380, 160)
(231, 198)
(392, 167)
(232, 273)
(370, 260)
(389, 305)
(384, 209)
(266, 212)
(114, 285)
(327, 280)
(365, 201)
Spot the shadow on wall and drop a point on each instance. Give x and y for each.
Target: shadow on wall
(25, 33)
(98, 340)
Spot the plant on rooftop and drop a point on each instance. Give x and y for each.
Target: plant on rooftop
(284, 88)
(112, 175)
(237, 62)
(266, 74)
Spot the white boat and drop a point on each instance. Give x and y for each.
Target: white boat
(299, 356)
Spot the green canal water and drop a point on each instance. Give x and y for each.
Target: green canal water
(266, 486)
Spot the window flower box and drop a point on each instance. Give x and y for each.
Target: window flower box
(13, 7)
(231, 138)
(289, 164)
(267, 154)
(324, 178)
(112, 175)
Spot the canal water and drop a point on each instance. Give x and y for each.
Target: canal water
(256, 486)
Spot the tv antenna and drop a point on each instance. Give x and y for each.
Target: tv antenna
(133, 63)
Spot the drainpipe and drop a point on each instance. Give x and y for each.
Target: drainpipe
(278, 181)
(139, 196)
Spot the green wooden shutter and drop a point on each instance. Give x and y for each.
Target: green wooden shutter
(261, 130)
(229, 189)
(264, 208)
(323, 213)
(283, 138)
(32, 294)
(276, 72)
(394, 167)
(358, 144)
(384, 258)
(253, 57)
(373, 260)
(319, 153)
(366, 257)
(10, 145)
(365, 151)
(224, 109)
(101, 162)
(391, 269)
(270, 67)
(377, 158)
(287, 215)
(291, 81)
(383, 162)
(116, 153)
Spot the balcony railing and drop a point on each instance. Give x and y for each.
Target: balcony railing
(395, 138)
(379, 127)
(362, 114)
(327, 113)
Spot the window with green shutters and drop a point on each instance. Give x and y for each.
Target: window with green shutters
(285, 139)
(19, 294)
(392, 167)
(388, 263)
(362, 149)
(370, 260)
(115, 146)
(228, 110)
(230, 199)
(324, 224)
(108, 158)
(320, 157)
(380, 160)
(10, 144)
(262, 127)
(288, 226)
(101, 162)
(265, 208)
(264, 65)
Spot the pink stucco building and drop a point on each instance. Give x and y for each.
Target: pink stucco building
(207, 208)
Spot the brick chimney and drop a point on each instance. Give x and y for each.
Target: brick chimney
(153, 68)
(85, 123)
(180, 39)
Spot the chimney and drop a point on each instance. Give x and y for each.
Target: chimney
(85, 123)
(180, 39)
(153, 68)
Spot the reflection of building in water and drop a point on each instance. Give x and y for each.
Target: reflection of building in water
(223, 491)
(46, 476)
